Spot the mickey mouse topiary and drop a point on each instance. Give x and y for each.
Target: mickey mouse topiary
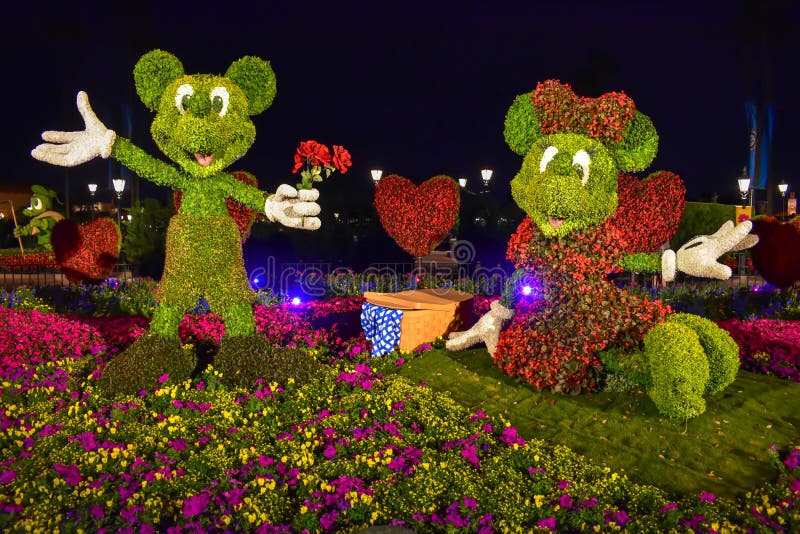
(585, 219)
(202, 125)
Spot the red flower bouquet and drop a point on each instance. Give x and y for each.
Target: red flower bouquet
(317, 160)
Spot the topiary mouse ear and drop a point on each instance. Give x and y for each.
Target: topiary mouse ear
(256, 79)
(522, 126)
(153, 73)
(638, 146)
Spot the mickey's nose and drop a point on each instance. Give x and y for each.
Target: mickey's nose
(200, 105)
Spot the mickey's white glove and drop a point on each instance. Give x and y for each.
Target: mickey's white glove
(293, 208)
(487, 329)
(69, 149)
(698, 257)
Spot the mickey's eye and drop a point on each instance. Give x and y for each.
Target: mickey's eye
(219, 100)
(182, 97)
(549, 153)
(36, 203)
(580, 162)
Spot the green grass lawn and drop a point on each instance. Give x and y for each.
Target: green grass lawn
(724, 451)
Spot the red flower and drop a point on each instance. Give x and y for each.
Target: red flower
(341, 158)
(318, 154)
(298, 163)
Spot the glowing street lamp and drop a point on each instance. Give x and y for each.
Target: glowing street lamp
(783, 187)
(744, 186)
(92, 191)
(462, 182)
(376, 175)
(486, 174)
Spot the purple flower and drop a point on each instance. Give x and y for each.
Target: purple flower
(509, 436)
(163, 378)
(195, 505)
(328, 519)
(470, 503)
(666, 508)
(178, 444)
(70, 473)
(620, 518)
(329, 451)
(563, 484)
(6, 477)
(471, 454)
(97, 511)
(565, 501)
(707, 497)
(793, 460)
(548, 523)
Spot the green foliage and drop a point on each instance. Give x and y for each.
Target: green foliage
(679, 370)
(144, 363)
(521, 125)
(256, 78)
(153, 73)
(628, 368)
(244, 359)
(558, 191)
(137, 297)
(639, 146)
(721, 350)
(641, 263)
(24, 298)
(204, 259)
(145, 236)
(701, 218)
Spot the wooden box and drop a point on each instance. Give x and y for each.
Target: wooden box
(427, 313)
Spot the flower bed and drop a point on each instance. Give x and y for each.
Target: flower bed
(768, 346)
(351, 449)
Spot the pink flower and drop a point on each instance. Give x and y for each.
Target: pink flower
(195, 505)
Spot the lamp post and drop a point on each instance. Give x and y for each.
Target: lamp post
(783, 187)
(744, 187)
(486, 174)
(376, 175)
(92, 191)
(119, 187)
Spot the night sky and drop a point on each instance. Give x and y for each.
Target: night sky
(414, 88)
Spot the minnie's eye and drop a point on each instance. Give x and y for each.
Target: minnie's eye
(182, 97)
(219, 100)
(549, 153)
(580, 162)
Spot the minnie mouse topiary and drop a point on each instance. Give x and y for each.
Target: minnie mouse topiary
(583, 223)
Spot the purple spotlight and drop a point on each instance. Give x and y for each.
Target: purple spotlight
(296, 301)
(527, 290)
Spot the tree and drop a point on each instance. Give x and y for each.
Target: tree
(145, 236)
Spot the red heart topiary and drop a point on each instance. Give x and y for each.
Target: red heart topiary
(241, 215)
(649, 210)
(776, 256)
(86, 253)
(417, 217)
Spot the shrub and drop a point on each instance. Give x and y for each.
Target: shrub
(679, 370)
(146, 364)
(630, 366)
(244, 359)
(721, 350)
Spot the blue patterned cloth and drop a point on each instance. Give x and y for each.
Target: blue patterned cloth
(382, 327)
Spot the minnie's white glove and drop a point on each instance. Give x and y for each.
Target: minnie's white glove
(487, 329)
(293, 208)
(698, 257)
(69, 149)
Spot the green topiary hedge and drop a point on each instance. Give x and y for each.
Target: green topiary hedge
(145, 363)
(721, 350)
(678, 368)
(244, 359)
